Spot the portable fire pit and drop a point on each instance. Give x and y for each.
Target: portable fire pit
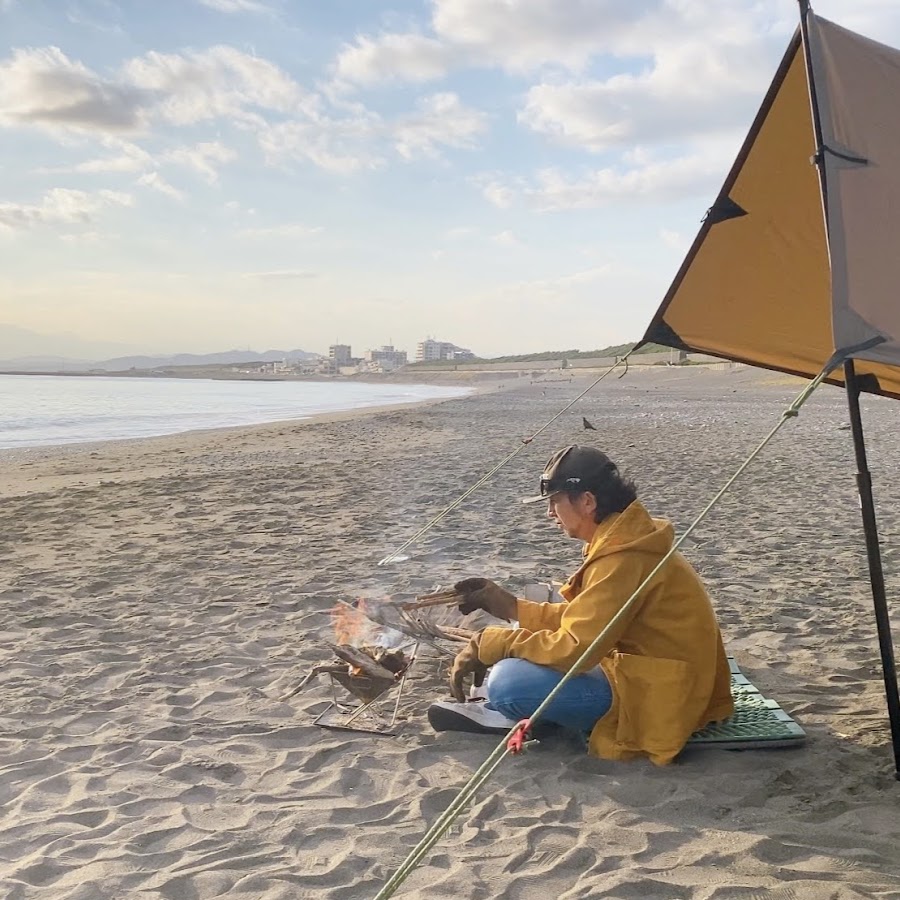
(376, 646)
(367, 674)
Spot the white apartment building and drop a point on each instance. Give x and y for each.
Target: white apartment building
(340, 355)
(430, 350)
(386, 358)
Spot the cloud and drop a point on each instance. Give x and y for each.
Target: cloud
(516, 35)
(340, 146)
(586, 276)
(202, 158)
(44, 87)
(656, 180)
(440, 121)
(289, 230)
(506, 239)
(639, 176)
(498, 190)
(60, 206)
(549, 290)
(236, 6)
(393, 57)
(82, 238)
(525, 34)
(127, 157)
(685, 70)
(461, 232)
(283, 275)
(624, 111)
(359, 139)
(220, 82)
(155, 181)
(101, 21)
(674, 239)
(695, 86)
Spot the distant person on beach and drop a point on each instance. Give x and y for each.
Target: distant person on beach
(660, 672)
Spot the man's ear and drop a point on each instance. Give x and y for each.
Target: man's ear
(590, 503)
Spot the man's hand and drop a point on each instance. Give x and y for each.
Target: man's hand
(481, 593)
(466, 663)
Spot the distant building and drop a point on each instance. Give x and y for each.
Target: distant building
(339, 355)
(432, 351)
(385, 359)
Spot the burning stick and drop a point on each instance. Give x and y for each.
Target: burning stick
(314, 673)
(363, 662)
(390, 615)
(439, 598)
(368, 672)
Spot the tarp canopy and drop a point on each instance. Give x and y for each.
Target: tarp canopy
(796, 266)
(765, 281)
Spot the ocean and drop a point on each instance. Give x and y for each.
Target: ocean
(43, 410)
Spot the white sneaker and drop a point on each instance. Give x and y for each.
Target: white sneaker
(474, 718)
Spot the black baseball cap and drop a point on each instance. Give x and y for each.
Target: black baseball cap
(573, 469)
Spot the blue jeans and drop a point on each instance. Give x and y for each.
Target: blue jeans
(516, 687)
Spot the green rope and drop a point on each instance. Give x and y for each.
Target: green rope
(525, 442)
(443, 823)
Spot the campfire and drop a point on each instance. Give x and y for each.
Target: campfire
(368, 638)
(369, 671)
(371, 661)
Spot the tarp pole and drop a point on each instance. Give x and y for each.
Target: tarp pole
(863, 477)
(814, 109)
(873, 552)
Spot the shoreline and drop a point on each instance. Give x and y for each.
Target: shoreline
(10, 453)
(185, 441)
(425, 376)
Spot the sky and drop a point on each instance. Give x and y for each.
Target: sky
(507, 175)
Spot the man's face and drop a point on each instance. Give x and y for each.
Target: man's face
(574, 514)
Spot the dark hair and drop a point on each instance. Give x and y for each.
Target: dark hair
(612, 492)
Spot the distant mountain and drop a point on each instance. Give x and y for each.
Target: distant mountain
(229, 357)
(24, 350)
(24, 345)
(45, 364)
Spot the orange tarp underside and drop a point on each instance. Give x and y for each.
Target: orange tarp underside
(757, 287)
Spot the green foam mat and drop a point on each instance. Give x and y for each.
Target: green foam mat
(757, 723)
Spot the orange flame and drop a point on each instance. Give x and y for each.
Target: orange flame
(350, 623)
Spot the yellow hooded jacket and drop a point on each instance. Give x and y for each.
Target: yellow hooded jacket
(664, 660)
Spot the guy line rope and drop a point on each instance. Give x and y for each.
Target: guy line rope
(525, 442)
(512, 742)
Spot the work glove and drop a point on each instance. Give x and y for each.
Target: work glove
(467, 663)
(481, 593)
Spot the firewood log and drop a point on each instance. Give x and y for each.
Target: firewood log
(362, 661)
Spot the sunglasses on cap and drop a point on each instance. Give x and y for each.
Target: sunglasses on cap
(550, 479)
(552, 482)
(589, 464)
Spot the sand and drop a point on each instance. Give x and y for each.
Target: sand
(160, 597)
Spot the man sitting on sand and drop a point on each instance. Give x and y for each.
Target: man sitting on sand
(657, 676)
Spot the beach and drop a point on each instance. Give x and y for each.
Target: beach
(161, 597)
